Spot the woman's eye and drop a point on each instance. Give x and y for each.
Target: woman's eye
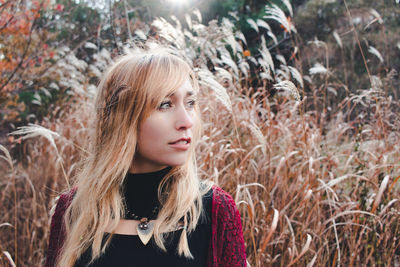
(165, 105)
(191, 103)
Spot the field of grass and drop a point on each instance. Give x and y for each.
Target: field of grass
(312, 164)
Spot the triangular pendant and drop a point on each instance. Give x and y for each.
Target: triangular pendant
(145, 230)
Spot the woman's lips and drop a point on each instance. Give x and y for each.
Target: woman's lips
(181, 144)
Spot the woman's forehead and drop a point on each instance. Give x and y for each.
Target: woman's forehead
(186, 89)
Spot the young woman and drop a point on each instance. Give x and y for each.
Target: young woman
(138, 200)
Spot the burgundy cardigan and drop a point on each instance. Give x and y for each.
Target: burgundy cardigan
(226, 246)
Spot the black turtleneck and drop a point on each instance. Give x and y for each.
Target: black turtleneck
(140, 195)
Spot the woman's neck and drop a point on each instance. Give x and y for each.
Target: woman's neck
(140, 192)
(144, 166)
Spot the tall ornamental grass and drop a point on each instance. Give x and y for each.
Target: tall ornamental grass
(316, 180)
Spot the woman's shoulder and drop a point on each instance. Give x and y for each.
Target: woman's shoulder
(223, 203)
(69, 194)
(221, 196)
(62, 202)
(215, 192)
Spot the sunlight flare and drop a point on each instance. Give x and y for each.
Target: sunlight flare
(177, 2)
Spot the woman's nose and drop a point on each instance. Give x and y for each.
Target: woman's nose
(185, 118)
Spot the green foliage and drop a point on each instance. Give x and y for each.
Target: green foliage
(75, 23)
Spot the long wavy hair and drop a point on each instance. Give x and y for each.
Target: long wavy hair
(129, 91)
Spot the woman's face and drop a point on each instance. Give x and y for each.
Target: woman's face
(165, 135)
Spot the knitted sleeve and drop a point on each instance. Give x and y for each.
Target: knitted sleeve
(57, 228)
(227, 244)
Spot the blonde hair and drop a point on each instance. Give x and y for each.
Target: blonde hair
(129, 91)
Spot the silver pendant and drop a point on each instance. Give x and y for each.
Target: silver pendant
(145, 230)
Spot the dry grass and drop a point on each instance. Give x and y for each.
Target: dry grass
(308, 193)
(316, 181)
(28, 190)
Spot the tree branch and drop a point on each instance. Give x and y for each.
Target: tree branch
(23, 54)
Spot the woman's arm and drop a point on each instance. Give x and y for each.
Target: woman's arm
(227, 246)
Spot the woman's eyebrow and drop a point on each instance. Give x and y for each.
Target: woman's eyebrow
(188, 93)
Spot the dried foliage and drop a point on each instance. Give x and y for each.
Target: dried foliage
(315, 177)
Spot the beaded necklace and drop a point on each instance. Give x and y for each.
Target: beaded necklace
(141, 196)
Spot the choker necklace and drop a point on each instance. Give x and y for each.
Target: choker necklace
(145, 228)
(129, 215)
(140, 192)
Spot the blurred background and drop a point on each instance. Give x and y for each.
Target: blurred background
(300, 104)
